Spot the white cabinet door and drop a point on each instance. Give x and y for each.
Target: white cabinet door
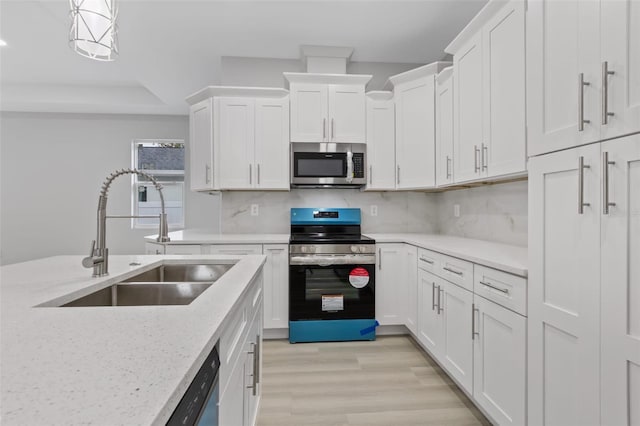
(504, 149)
(562, 43)
(201, 145)
(237, 137)
(309, 105)
(457, 357)
(391, 284)
(232, 408)
(381, 147)
(276, 286)
(564, 290)
(500, 362)
(444, 131)
(429, 318)
(415, 134)
(620, 236)
(346, 113)
(468, 139)
(252, 367)
(183, 249)
(411, 321)
(620, 49)
(272, 143)
(236, 249)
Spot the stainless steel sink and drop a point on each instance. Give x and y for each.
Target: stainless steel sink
(181, 273)
(164, 285)
(142, 294)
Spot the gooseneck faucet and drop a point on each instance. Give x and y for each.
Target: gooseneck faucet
(98, 258)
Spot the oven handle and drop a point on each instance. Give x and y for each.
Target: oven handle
(332, 260)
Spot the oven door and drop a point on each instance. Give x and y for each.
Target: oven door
(336, 291)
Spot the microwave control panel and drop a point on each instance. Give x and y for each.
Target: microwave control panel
(358, 165)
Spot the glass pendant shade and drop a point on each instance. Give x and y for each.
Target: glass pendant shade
(94, 31)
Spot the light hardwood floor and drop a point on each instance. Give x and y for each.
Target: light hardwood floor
(388, 382)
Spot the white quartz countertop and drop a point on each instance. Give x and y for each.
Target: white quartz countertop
(195, 236)
(104, 365)
(505, 257)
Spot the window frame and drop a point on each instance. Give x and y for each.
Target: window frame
(135, 208)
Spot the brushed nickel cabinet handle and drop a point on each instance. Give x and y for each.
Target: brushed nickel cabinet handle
(475, 159)
(324, 128)
(581, 84)
(485, 150)
(453, 270)
(448, 165)
(605, 183)
(433, 296)
(398, 180)
(581, 167)
(505, 291)
(473, 321)
(440, 308)
(605, 93)
(430, 262)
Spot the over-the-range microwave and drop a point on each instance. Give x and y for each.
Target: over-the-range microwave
(324, 165)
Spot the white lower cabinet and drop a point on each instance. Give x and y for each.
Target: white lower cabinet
(429, 319)
(411, 258)
(391, 284)
(241, 361)
(276, 286)
(499, 362)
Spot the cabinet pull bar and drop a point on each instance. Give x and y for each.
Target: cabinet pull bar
(453, 270)
(250, 174)
(605, 93)
(504, 290)
(476, 168)
(581, 84)
(433, 296)
(448, 165)
(581, 167)
(440, 308)
(474, 333)
(485, 150)
(324, 128)
(430, 262)
(605, 183)
(398, 175)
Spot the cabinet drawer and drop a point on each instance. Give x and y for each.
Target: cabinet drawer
(236, 249)
(457, 271)
(502, 288)
(183, 249)
(428, 260)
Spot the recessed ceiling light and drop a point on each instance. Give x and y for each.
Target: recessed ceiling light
(3, 43)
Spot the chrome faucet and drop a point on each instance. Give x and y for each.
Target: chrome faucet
(98, 258)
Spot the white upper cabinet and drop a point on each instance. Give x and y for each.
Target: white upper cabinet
(327, 107)
(414, 94)
(489, 94)
(239, 139)
(381, 147)
(444, 127)
(272, 143)
(201, 145)
(583, 72)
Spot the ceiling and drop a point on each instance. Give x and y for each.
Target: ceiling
(171, 48)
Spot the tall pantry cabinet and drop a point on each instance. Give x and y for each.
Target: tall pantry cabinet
(583, 93)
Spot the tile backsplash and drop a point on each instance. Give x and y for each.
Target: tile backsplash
(397, 211)
(494, 212)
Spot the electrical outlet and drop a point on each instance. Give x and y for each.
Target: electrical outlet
(374, 210)
(254, 210)
(456, 210)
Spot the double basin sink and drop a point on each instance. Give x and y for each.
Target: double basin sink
(177, 284)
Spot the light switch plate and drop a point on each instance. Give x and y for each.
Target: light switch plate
(254, 210)
(374, 210)
(456, 210)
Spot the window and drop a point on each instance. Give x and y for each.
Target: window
(164, 160)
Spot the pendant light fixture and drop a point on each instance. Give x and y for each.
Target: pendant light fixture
(94, 31)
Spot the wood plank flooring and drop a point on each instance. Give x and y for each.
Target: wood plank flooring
(388, 382)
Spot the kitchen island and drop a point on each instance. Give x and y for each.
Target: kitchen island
(106, 365)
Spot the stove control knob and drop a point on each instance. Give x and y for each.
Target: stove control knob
(303, 249)
(363, 249)
(354, 249)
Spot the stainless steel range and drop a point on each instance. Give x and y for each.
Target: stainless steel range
(331, 277)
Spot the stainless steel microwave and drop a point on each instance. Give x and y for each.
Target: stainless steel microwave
(322, 165)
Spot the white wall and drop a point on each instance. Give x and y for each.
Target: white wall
(51, 170)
